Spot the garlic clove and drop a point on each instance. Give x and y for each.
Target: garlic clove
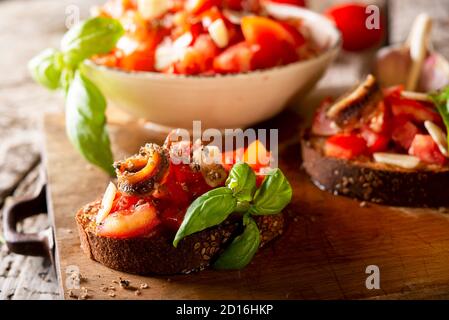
(106, 202)
(398, 160)
(438, 136)
(219, 33)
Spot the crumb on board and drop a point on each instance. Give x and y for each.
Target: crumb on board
(144, 285)
(112, 294)
(363, 204)
(137, 293)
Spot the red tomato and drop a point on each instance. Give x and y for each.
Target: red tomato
(129, 223)
(376, 142)
(351, 20)
(235, 59)
(345, 146)
(275, 44)
(231, 157)
(257, 156)
(403, 132)
(426, 149)
(415, 110)
(299, 3)
(198, 6)
(172, 217)
(124, 202)
(322, 125)
(199, 58)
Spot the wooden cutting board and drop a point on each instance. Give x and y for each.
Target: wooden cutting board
(323, 254)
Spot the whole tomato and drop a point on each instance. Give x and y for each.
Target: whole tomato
(351, 19)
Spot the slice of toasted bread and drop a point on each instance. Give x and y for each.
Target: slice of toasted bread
(155, 254)
(366, 180)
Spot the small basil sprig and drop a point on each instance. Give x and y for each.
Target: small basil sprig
(441, 100)
(239, 195)
(85, 105)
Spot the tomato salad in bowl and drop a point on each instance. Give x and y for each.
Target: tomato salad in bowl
(202, 37)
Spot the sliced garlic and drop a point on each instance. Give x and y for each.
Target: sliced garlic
(219, 33)
(438, 136)
(399, 160)
(415, 96)
(150, 9)
(106, 202)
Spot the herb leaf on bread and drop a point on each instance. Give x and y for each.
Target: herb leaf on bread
(242, 181)
(210, 209)
(242, 249)
(273, 195)
(441, 100)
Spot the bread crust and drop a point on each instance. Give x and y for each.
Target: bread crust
(155, 254)
(378, 183)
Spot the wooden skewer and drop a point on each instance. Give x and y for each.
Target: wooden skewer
(418, 42)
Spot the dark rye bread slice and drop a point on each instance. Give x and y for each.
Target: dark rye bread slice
(426, 186)
(155, 254)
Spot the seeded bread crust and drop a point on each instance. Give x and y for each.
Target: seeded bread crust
(155, 254)
(426, 186)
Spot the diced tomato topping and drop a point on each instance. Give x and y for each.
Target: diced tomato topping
(129, 224)
(124, 202)
(275, 44)
(237, 58)
(376, 142)
(322, 125)
(231, 157)
(198, 6)
(416, 111)
(199, 58)
(299, 3)
(172, 217)
(257, 156)
(404, 131)
(345, 146)
(426, 149)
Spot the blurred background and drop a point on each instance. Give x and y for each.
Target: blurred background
(28, 26)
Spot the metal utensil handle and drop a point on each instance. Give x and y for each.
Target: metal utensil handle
(18, 209)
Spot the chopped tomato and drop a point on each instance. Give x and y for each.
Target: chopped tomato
(426, 149)
(129, 224)
(259, 180)
(257, 156)
(322, 125)
(172, 217)
(299, 3)
(199, 58)
(198, 6)
(345, 146)
(124, 202)
(237, 58)
(351, 20)
(376, 142)
(275, 44)
(416, 111)
(403, 132)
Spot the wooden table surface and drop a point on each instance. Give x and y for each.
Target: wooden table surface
(29, 26)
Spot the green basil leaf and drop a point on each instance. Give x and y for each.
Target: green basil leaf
(45, 68)
(273, 195)
(93, 36)
(209, 210)
(86, 122)
(441, 100)
(242, 181)
(242, 249)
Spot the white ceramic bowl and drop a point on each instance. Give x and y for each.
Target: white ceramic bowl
(223, 101)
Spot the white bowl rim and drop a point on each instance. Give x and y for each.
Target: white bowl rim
(160, 75)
